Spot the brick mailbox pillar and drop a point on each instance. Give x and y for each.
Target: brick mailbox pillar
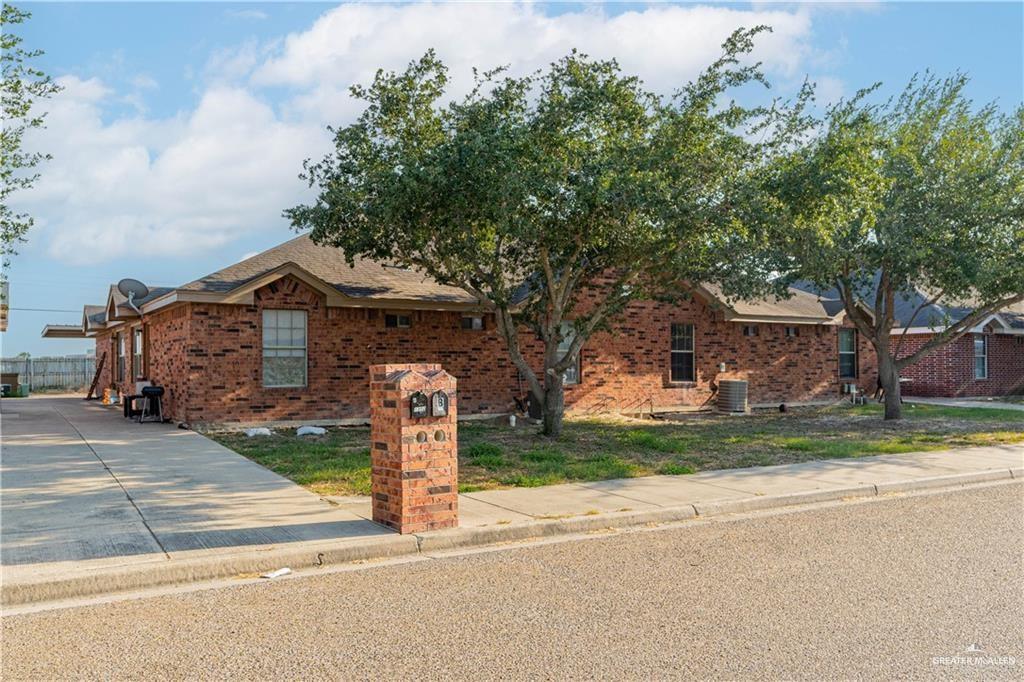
(414, 447)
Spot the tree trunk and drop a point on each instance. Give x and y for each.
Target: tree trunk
(554, 404)
(889, 376)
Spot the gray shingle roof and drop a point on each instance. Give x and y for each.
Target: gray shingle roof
(933, 315)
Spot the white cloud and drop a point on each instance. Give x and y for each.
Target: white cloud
(248, 14)
(828, 89)
(164, 187)
(226, 168)
(144, 82)
(665, 45)
(235, 63)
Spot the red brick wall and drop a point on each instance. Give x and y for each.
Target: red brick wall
(225, 372)
(949, 371)
(628, 369)
(213, 363)
(105, 344)
(167, 337)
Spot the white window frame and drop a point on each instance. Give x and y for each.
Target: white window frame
(791, 332)
(568, 332)
(841, 353)
(121, 362)
(750, 330)
(278, 347)
(138, 352)
(692, 353)
(984, 356)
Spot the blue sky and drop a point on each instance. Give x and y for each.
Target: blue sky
(181, 130)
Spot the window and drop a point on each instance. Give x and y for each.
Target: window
(750, 330)
(792, 332)
(284, 348)
(568, 332)
(396, 321)
(980, 356)
(848, 353)
(473, 322)
(137, 354)
(682, 366)
(119, 341)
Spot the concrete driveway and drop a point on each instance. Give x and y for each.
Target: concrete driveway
(85, 489)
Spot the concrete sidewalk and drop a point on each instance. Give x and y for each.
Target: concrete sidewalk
(990, 403)
(96, 504)
(88, 495)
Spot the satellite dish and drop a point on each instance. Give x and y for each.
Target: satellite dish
(133, 289)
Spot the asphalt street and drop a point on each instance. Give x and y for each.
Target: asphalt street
(896, 587)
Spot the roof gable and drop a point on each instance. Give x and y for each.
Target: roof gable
(799, 307)
(326, 269)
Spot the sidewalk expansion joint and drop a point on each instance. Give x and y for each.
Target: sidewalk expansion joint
(118, 481)
(494, 504)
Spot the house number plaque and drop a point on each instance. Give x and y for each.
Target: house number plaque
(439, 404)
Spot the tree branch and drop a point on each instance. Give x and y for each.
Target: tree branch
(958, 329)
(910, 322)
(510, 332)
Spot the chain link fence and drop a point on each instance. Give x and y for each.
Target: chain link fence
(68, 372)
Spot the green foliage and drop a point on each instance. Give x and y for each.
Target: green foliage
(919, 195)
(531, 190)
(478, 450)
(487, 455)
(652, 441)
(21, 88)
(544, 456)
(601, 467)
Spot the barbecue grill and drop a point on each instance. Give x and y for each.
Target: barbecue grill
(152, 408)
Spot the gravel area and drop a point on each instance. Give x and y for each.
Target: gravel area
(860, 590)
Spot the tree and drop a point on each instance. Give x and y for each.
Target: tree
(921, 198)
(556, 198)
(22, 86)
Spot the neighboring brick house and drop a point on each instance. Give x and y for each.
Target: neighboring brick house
(986, 361)
(289, 334)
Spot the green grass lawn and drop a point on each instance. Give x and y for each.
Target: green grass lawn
(495, 455)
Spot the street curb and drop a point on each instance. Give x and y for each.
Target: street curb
(129, 578)
(126, 579)
(944, 481)
(761, 502)
(487, 535)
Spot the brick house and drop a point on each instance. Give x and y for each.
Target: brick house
(987, 361)
(289, 334)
